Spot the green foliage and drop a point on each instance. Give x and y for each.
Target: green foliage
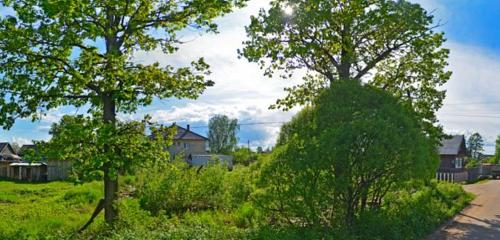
(56, 210)
(472, 163)
(81, 53)
(244, 156)
(475, 145)
(176, 188)
(52, 54)
(81, 140)
(222, 134)
(391, 41)
(414, 211)
(496, 159)
(338, 158)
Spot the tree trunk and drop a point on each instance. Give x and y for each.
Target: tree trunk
(110, 182)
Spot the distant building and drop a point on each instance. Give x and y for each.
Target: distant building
(452, 153)
(193, 148)
(187, 142)
(12, 166)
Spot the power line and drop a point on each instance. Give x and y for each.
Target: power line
(474, 103)
(244, 124)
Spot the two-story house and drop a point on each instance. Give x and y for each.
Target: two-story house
(188, 143)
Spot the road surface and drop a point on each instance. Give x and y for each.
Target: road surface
(480, 221)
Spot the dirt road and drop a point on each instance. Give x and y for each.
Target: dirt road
(481, 220)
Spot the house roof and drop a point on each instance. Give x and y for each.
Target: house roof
(8, 156)
(26, 164)
(187, 134)
(3, 145)
(452, 146)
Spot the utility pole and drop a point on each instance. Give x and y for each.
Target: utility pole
(248, 143)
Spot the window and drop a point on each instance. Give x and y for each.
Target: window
(186, 145)
(458, 162)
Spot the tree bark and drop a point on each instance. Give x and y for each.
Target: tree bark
(110, 182)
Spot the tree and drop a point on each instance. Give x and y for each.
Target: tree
(80, 53)
(341, 156)
(389, 44)
(243, 155)
(222, 134)
(475, 145)
(496, 159)
(259, 149)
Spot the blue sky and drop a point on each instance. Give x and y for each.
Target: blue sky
(472, 28)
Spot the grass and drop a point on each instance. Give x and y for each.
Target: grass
(479, 181)
(37, 210)
(56, 210)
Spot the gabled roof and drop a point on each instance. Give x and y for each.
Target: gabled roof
(12, 156)
(7, 145)
(187, 134)
(452, 146)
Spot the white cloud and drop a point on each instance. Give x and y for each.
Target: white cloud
(475, 80)
(21, 141)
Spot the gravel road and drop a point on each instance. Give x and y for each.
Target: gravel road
(480, 221)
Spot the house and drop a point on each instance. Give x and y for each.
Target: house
(12, 166)
(187, 143)
(54, 169)
(193, 148)
(452, 153)
(8, 155)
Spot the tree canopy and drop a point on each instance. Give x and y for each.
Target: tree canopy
(343, 155)
(389, 44)
(475, 145)
(81, 53)
(222, 134)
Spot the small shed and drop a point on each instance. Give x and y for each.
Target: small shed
(28, 171)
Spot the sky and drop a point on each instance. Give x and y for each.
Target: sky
(472, 29)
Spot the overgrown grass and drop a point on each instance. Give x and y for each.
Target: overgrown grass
(56, 210)
(45, 210)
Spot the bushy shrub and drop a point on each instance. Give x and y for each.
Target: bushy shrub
(414, 211)
(176, 188)
(342, 156)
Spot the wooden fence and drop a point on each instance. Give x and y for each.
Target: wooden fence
(58, 170)
(452, 176)
(469, 174)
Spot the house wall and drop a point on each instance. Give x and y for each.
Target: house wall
(448, 163)
(187, 147)
(4, 169)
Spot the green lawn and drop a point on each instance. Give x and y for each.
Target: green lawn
(36, 210)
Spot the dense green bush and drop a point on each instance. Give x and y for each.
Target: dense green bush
(341, 156)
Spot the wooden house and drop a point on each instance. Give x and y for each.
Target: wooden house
(8, 155)
(452, 153)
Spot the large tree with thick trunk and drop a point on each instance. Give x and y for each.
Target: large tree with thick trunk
(390, 44)
(80, 53)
